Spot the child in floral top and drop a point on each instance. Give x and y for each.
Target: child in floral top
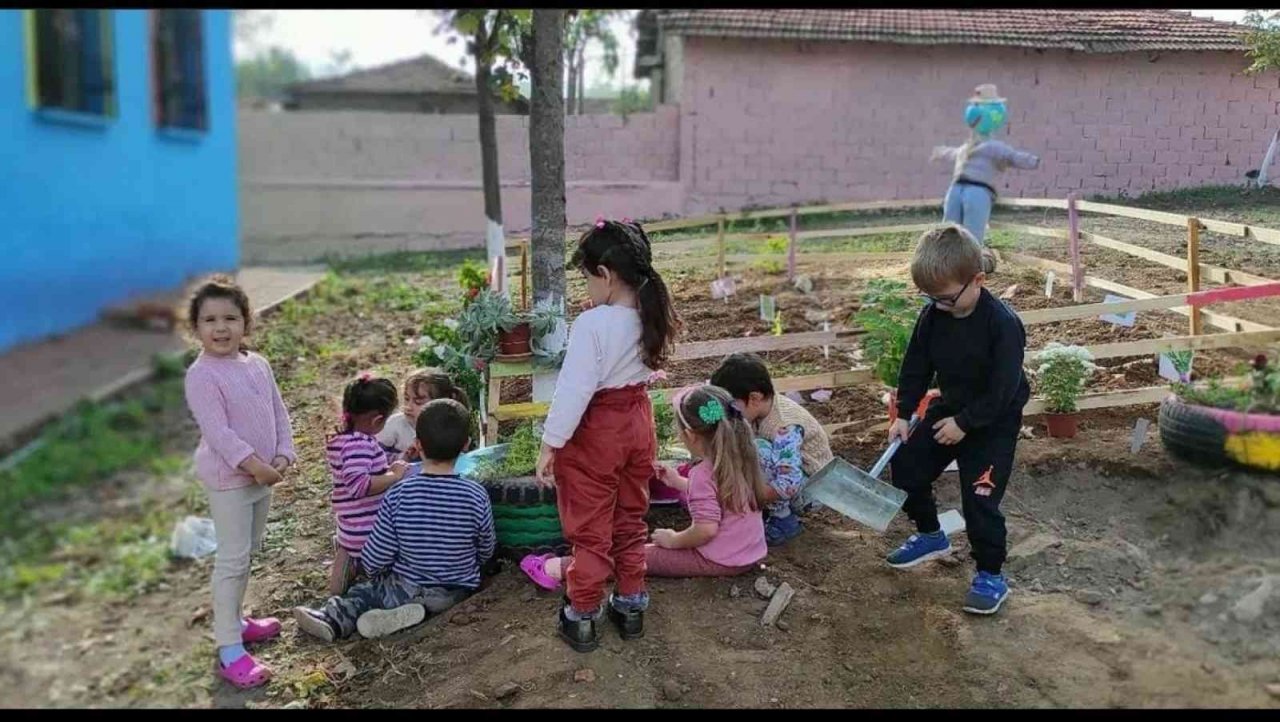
(791, 444)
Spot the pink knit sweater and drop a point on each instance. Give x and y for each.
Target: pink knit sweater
(237, 405)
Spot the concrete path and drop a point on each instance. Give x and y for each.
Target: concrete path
(40, 381)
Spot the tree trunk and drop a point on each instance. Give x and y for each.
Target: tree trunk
(495, 244)
(573, 81)
(582, 79)
(546, 165)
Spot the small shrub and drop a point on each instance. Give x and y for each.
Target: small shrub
(888, 314)
(1062, 375)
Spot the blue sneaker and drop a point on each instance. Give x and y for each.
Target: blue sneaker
(986, 594)
(780, 530)
(919, 548)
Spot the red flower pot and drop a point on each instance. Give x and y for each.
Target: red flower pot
(516, 341)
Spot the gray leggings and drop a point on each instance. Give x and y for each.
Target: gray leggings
(387, 592)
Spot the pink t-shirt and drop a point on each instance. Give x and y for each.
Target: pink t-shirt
(740, 538)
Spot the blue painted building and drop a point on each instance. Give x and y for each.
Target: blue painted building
(117, 160)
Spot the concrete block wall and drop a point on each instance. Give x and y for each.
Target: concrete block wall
(357, 145)
(762, 124)
(782, 122)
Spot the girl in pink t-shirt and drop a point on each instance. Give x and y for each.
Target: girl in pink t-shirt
(727, 534)
(726, 537)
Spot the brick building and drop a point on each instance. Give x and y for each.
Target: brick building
(772, 107)
(779, 106)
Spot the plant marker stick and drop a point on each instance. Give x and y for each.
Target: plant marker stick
(1048, 284)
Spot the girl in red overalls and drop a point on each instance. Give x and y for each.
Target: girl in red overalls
(598, 445)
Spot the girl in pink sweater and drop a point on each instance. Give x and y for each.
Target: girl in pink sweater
(726, 536)
(245, 447)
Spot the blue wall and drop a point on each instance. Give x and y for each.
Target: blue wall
(91, 214)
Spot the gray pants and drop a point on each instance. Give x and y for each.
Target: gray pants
(239, 521)
(387, 592)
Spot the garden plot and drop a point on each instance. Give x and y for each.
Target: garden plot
(1128, 569)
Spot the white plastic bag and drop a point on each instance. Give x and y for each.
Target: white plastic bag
(193, 537)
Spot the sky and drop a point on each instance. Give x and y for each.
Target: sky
(377, 37)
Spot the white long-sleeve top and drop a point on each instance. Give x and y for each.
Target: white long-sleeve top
(603, 353)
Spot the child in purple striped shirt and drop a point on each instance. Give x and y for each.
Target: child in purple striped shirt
(245, 447)
(360, 471)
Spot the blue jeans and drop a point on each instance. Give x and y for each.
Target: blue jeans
(969, 206)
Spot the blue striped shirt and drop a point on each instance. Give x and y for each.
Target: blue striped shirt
(432, 531)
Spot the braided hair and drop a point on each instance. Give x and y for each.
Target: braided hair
(623, 248)
(366, 394)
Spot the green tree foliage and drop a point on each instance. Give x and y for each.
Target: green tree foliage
(267, 74)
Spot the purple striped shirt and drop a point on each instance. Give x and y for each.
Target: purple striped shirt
(237, 405)
(353, 459)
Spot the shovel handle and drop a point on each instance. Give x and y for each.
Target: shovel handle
(893, 448)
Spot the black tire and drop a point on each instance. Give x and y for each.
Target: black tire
(1192, 435)
(521, 491)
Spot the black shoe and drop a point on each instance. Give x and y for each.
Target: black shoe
(630, 623)
(581, 634)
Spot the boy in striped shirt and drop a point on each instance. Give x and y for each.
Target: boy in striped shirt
(432, 534)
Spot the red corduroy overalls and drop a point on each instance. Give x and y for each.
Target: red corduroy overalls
(602, 491)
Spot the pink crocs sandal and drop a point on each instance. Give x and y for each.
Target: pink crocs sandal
(534, 567)
(260, 630)
(245, 673)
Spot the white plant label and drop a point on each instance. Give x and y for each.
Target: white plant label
(1048, 284)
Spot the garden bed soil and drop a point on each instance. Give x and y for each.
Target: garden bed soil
(1128, 573)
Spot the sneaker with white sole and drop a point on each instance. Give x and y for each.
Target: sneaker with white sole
(381, 622)
(314, 623)
(920, 548)
(986, 594)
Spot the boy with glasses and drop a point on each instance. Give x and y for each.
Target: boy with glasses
(973, 344)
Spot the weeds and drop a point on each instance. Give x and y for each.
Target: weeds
(93, 441)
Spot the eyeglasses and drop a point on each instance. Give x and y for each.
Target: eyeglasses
(948, 300)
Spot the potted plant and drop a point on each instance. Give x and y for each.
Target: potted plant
(1219, 424)
(1062, 374)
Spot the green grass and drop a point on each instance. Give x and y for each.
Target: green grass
(1235, 202)
(116, 558)
(93, 441)
(406, 262)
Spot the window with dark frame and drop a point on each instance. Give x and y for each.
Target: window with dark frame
(178, 60)
(73, 60)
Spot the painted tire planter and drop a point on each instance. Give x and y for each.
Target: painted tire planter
(1220, 437)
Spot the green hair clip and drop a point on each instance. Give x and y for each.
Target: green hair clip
(711, 412)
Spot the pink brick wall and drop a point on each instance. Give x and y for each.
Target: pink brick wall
(768, 123)
(401, 146)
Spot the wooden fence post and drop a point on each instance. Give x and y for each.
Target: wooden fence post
(524, 276)
(1073, 242)
(791, 248)
(1193, 270)
(720, 244)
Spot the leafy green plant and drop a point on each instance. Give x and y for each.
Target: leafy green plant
(543, 322)
(664, 422)
(1062, 374)
(473, 278)
(774, 246)
(521, 459)
(888, 314)
(1262, 395)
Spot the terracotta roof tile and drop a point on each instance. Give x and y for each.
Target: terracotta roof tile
(1090, 31)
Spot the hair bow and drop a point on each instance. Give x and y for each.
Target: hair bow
(711, 412)
(365, 376)
(599, 221)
